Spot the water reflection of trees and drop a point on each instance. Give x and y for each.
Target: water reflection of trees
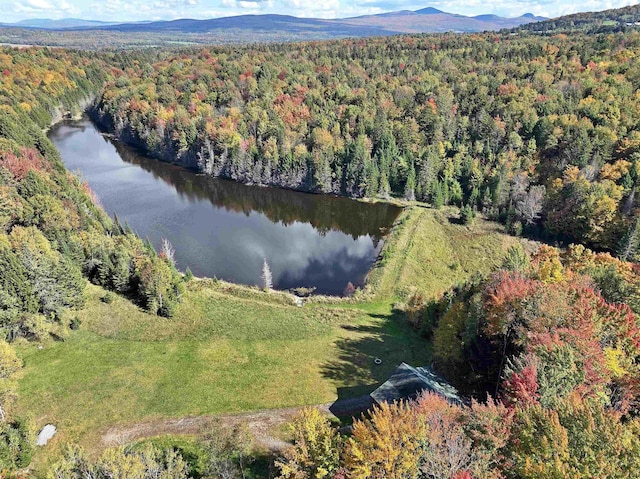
(324, 213)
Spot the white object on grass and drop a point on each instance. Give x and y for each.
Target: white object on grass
(45, 435)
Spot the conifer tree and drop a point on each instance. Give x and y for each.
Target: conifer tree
(437, 197)
(410, 186)
(629, 243)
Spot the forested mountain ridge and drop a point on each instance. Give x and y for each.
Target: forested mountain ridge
(247, 29)
(404, 21)
(595, 22)
(529, 130)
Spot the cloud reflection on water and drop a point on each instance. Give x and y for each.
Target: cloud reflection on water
(220, 228)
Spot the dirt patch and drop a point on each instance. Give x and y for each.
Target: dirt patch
(264, 425)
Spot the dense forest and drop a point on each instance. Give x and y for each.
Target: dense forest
(553, 339)
(52, 233)
(541, 133)
(606, 21)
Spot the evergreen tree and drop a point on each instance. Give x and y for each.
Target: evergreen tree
(384, 189)
(437, 195)
(410, 186)
(373, 177)
(628, 246)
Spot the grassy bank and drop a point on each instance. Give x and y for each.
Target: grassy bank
(430, 251)
(231, 348)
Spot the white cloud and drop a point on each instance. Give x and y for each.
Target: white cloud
(243, 4)
(39, 4)
(135, 10)
(34, 8)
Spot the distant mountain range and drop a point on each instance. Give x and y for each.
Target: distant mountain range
(592, 22)
(426, 20)
(65, 23)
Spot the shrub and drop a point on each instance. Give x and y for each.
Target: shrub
(16, 444)
(108, 298)
(467, 214)
(74, 324)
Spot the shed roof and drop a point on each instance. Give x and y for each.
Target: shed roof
(408, 381)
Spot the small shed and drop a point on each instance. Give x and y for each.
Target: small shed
(407, 382)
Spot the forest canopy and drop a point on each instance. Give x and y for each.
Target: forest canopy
(538, 132)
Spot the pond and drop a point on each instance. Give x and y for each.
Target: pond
(223, 229)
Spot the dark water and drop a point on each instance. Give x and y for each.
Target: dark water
(225, 229)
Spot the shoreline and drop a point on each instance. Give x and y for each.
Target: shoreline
(127, 137)
(363, 290)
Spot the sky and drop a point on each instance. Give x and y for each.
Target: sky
(137, 10)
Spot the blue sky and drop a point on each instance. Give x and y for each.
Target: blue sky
(132, 10)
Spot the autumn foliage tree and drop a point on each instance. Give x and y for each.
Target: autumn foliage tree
(316, 449)
(538, 132)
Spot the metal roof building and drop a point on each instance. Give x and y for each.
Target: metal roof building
(407, 382)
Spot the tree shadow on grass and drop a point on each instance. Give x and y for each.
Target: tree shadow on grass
(456, 220)
(354, 371)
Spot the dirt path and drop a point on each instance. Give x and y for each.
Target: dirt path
(264, 425)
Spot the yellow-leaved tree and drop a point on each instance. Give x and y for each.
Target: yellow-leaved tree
(316, 450)
(388, 445)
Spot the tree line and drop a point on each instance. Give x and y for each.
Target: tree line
(546, 349)
(52, 233)
(540, 133)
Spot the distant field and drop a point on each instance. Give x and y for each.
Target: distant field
(232, 349)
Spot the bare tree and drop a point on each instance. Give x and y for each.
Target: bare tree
(167, 251)
(267, 277)
(449, 450)
(529, 205)
(349, 291)
(519, 184)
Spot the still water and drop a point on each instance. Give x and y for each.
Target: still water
(224, 229)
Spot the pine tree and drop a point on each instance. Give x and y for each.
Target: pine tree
(373, 176)
(117, 226)
(384, 189)
(410, 186)
(467, 214)
(629, 243)
(188, 275)
(437, 196)
(149, 247)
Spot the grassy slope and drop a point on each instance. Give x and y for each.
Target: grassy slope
(231, 348)
(429, 251)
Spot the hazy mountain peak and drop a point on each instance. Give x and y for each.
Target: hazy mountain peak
(429, 11)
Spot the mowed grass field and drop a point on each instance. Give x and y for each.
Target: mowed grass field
(232, 349)
(430, 251)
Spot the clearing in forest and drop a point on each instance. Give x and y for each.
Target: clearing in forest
(231, 349)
